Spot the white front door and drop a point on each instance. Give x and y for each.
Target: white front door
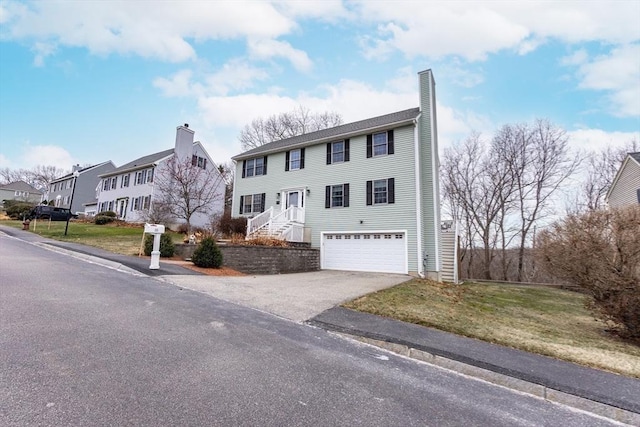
(294, 198)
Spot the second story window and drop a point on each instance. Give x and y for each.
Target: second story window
(380, 144)
(106, 184)
(254, 167)
(294, 160)
(338, 152)
(114, 182)
(125, 180)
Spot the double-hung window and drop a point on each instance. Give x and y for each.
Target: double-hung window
(381, 191)
(338, 152)
(336, 196)
(294, 160)
(105, 184)
(254, 167)
(380, 144)
(252, 203)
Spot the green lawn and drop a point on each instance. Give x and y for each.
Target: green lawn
(115, 238)
(539, 319)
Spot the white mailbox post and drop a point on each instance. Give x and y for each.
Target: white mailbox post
(156, 230)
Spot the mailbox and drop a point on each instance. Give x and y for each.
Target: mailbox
(156, 230)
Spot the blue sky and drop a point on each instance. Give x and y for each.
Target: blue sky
(85, 82)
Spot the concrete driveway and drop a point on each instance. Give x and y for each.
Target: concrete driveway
(298, 296)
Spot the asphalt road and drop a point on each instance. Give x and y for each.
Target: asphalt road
(81, 344)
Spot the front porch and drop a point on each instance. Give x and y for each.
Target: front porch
(284, 222)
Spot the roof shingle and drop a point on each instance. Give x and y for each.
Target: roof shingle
(338, 131)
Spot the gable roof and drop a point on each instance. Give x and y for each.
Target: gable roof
(141, 162)
(630, 156)
(337, 132)
(87, 169)
(20, 186)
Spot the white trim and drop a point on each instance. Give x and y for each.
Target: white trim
(404, 232)
(416, 144)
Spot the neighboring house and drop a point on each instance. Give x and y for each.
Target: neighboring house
(129, 189)
(61, 189)
(21, 191)
(625, 189)
(365, 193)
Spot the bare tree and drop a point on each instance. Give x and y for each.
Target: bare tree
(602, 167)
(38, 177)
(539, 163)
(185, 189)
(286, 125)
(228, 172)
(476, 184)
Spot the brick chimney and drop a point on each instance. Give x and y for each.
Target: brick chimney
(184, 142)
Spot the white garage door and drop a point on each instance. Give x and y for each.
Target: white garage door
(375, 251)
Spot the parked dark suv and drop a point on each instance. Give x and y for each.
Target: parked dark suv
(50, 212)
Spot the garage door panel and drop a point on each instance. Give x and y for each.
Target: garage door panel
(378, 251)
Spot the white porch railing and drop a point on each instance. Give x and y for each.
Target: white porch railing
(259, 221)
(287, 224)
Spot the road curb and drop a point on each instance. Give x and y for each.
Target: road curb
(90, 259)
(522, 386)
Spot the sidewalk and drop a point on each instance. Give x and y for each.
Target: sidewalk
(610, 395)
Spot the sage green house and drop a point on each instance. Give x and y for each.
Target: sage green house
(365, 193)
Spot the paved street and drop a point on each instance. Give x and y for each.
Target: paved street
(81, 344)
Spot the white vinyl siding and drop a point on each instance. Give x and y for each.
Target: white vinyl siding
(627, 186)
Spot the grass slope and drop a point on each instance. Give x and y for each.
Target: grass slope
(538, 319)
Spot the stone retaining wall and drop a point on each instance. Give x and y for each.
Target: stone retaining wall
(263, 259)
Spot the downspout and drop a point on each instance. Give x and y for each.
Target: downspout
(416, 144)
(435, 171)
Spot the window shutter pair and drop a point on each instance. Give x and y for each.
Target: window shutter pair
(244, 166)
(345, 196)
(391, 191)
(287, 158)
(390, 144)
(330, 150)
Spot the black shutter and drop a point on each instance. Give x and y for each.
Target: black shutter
(327, 196)
(302, 158)
(369, 193)
(204, 166)
(638, 195)
(286, 162)
(346, 150)
(264, 166)
(345, 193)
(369, 146)
(329, 153)
(264, 196)
(194, 160)
(391, 190)
(244, 169)
(390, 142)
(241, 204)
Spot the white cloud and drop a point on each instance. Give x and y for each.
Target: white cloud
(33, 155)
(596, 139)
(617, 73)
(267, 49)
(224, 116)
(326, 10)
(4, 160)
(162, 31)
(473, 30)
